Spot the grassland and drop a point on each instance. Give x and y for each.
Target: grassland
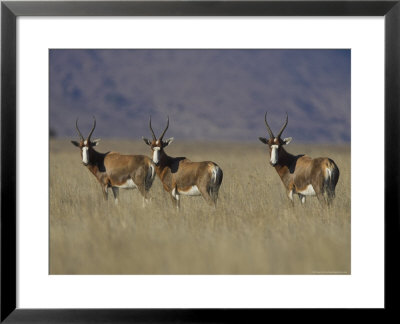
(254, 230)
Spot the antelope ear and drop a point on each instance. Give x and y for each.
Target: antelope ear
(75, 143)
(96, 142)
(146, 141)
(263, 140)
(168, 141)
(287, 140)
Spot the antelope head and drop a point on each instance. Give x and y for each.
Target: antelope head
(275, 143)
(85, 145)
(157, 145)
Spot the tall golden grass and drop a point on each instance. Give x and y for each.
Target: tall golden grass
(254, 229)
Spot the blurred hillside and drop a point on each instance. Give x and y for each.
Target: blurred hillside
(208, 94)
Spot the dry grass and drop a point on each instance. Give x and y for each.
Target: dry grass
(253, 231)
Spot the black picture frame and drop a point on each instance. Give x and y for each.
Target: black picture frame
(10, 10)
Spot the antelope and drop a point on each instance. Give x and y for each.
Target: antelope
(301, 174)
(115, 170)
(180, 176)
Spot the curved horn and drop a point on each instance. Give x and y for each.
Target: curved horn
(162, 135)
(91, 132)
(152, 132)
(80, 135)
(271, 135)
(283, 127)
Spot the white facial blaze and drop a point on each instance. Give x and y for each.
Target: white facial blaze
(156, 155)
(274, 154)
(85, 155)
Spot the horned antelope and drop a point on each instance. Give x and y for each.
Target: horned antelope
(180, 176)
(301, 174)
(115, 170)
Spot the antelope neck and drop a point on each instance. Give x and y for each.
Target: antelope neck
(96, 159)
(285, 160)
(164, 160)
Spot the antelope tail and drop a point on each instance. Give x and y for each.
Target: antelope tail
(215, 182)
(149, 176)
(216, 175)
(331, 178)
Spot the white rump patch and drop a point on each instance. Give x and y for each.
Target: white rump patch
(328, 173)
(193, 191)
(214, 174)
(129, 184)
(274, 154)
(151, 176)
(309, 191)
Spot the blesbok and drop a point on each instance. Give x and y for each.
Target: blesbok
(180, 176)
(116, 170)
(301, 174)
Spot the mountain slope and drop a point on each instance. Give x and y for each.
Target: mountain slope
(208, 94)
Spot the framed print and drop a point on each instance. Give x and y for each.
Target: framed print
(212, 76)
(77, 247)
